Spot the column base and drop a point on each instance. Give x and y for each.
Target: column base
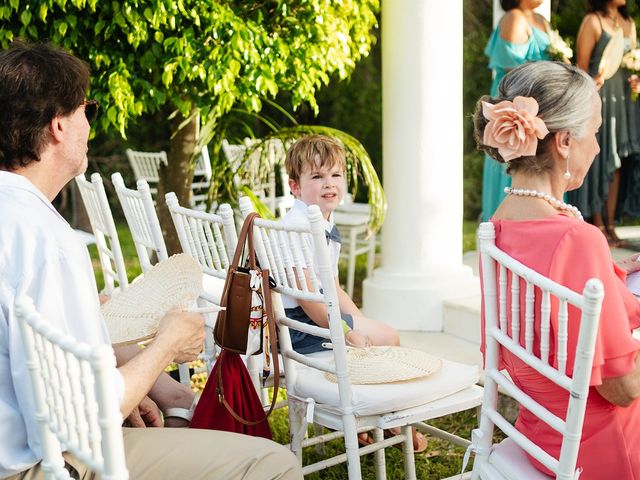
(415, 301)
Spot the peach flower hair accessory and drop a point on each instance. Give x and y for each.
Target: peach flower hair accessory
(514, 127)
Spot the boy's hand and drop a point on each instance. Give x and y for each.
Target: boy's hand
(356, 339)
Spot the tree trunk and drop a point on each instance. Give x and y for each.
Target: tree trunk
(177, 176)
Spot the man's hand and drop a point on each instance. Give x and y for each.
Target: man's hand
(146, 414)
(184, 332)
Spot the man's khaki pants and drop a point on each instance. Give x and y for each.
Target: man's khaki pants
(182, 453)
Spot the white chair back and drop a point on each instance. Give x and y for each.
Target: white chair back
(104, 230)
(75, 398)
(146, 165)
(506, 284)
(288, 252)
(142, 220)
(263, 186)
(209, 238)
(201, 179)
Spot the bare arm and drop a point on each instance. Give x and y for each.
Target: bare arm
(318, 312)
(622, 391)
(588, 36)
(166, 392)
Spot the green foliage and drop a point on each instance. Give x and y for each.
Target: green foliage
(477, 80)
(199, 54)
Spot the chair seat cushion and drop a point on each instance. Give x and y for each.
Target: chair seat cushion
(376, 399)
(511, 461)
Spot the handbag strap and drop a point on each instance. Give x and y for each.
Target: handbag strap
(246, 238)
(268, 306)
(246, 234)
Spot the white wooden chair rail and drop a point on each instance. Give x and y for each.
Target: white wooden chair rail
(298, 259)
(104, 230)
(142, 220)
(75, 397)
(211, 240)
(146, 165)
(505, 460)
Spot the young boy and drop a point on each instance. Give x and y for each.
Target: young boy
(316, 166)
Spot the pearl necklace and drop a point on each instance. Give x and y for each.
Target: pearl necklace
(553, 201)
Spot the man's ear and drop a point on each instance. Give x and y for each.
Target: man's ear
(294, 187)
(56, 128)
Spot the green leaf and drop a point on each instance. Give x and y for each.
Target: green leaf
(25, 17)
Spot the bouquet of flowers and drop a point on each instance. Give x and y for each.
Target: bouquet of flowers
(631, 62)
(559, 49)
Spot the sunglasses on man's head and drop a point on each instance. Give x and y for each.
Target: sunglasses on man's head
(91, 109)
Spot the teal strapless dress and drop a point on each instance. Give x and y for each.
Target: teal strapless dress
(504, 56)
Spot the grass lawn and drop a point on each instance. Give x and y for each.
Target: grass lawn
(440, 460)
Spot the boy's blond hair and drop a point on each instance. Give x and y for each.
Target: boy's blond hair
(313, 151)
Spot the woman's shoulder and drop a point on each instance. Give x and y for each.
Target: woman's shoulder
(583, 234)
(541, 22)
(591, 23)
(514, 21)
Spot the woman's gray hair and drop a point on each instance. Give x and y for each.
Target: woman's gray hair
(563, 93)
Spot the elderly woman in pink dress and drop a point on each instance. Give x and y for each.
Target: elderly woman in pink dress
(543, 124)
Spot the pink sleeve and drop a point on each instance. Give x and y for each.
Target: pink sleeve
(582, 254)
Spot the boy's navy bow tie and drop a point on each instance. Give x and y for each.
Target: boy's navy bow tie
(334, 235)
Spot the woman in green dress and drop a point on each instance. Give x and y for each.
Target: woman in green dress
(520, 37)
(605, 34)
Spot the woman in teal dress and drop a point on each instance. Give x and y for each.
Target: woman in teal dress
(608, 25)
(520, 37)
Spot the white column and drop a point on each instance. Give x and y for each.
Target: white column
(422, 163)
(544, 10)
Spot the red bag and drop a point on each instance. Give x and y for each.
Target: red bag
(229, 401)
(239, 394)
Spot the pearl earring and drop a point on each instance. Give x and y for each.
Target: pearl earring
(567, 173)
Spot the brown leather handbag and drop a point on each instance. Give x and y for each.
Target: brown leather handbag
(232, 326)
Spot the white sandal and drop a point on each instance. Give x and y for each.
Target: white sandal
(184, 413)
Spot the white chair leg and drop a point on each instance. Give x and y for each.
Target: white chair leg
(351, 269)
(379, 457)
(185, 377)
(371, 255)
(351, 447)
(254, 373)
(296, 428)
(409, 458)
(317, 431)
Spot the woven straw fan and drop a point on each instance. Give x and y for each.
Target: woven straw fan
(373, 365)
(134, 314)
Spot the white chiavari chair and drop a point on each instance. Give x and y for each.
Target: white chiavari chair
(76, 403)
(505, 280)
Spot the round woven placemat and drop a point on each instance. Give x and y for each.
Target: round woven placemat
(133, 315)
(373, 365)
